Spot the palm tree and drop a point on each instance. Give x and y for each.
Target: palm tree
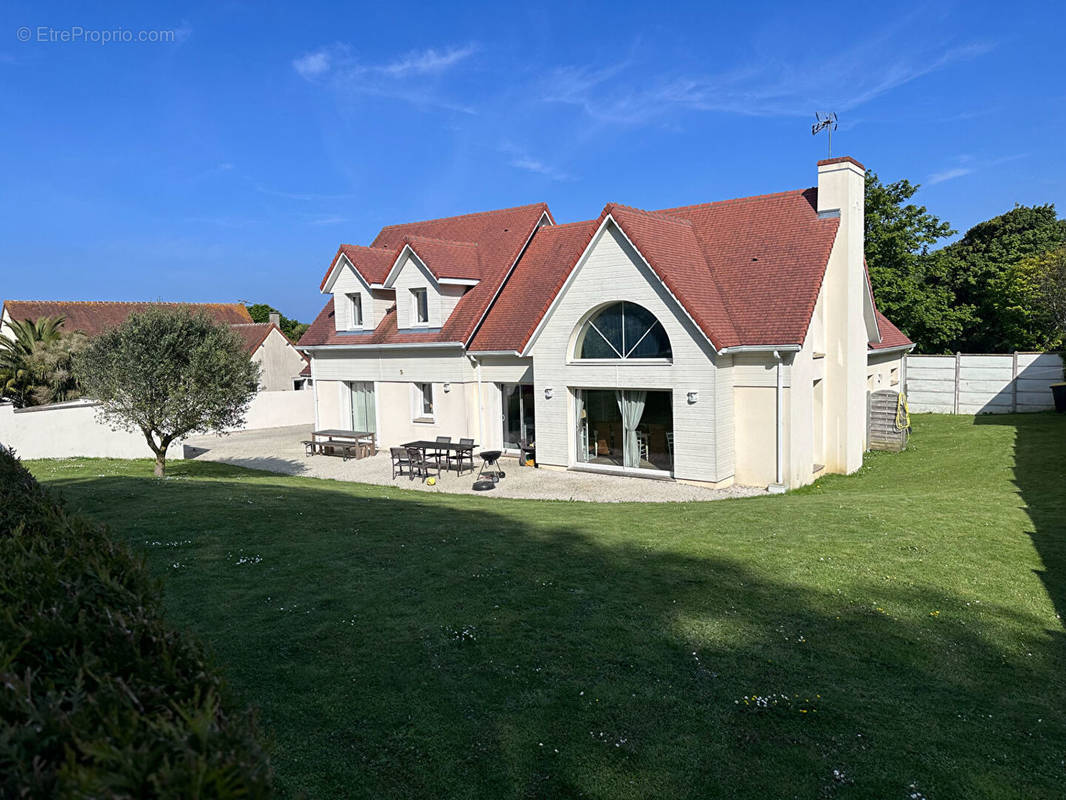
(16, 347)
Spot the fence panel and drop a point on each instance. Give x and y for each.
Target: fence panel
(982, 383)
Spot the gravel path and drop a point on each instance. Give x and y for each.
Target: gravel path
(279, 450)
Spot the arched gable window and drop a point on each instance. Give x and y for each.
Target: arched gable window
(623, 330)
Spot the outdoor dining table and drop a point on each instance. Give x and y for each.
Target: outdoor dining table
(452, 447)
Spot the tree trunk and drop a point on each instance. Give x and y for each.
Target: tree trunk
(160, 465)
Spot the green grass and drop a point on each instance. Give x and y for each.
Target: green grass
(401, 644)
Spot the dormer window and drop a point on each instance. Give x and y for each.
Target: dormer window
(355, 310)
(420, 306)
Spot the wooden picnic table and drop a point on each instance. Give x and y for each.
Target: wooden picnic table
(348, 443)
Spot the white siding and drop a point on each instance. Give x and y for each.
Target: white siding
(412, 275)
(613, 271)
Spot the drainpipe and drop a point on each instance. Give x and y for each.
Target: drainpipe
(314, 393)
(480, 410)
(779, 487)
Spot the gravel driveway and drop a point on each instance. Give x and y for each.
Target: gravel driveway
(280, 450)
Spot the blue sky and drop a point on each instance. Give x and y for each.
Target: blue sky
(230, 163)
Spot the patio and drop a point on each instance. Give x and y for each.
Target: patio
(280, 450)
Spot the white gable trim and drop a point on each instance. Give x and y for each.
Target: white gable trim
(873, 331)
(577, 268)
(338, 265)
(398, 264)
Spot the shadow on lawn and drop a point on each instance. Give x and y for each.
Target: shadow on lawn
(1040, 475)
(401, 646)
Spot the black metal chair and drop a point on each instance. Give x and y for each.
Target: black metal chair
(462, 456)
(420, 465)
(400, 461)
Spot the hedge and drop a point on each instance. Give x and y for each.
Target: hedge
(99, 697)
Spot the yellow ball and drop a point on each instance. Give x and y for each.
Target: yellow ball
(431, 481)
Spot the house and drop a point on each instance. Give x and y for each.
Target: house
(280, 362)
(733, 341)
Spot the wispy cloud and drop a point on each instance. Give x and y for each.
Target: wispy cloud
(335, 66)
(968, 165)
(334, 220)
(521, 159)
(842, 81)
(311, 197)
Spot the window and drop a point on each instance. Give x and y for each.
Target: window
(422, 402)
(420, 306)
(623, 330)
(355, 310)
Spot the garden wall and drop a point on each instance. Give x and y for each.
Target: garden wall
(66, 430)
(982, 383)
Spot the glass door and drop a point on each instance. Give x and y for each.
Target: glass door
(518, 419)
(625, 428)
(364, 415)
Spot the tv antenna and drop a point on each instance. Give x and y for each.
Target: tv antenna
(827, 120)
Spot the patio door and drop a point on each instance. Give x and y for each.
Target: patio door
(364, 413)
(518, 424)
(625, 429)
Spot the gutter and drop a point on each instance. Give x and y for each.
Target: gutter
(387, 346)
(896, 349)
(778, 487)
(761, 348)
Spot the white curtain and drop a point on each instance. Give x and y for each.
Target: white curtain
(631, 406)
(582, 426)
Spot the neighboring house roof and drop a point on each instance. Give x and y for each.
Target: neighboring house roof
(255, 333)
(94, 317)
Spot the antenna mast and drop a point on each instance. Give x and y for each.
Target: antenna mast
(827, 120)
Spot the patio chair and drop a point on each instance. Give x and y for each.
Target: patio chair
(419, 464)
(400, 460)
(462, 457)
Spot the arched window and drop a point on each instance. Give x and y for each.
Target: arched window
(623, 330)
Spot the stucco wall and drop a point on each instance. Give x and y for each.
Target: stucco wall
(67, 430)
(279, 363)
(614, 271)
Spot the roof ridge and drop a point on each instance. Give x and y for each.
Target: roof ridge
(749, 199)
(659, 215)
(468, 214)
(131, 302)
(417, 236)
(557, 226)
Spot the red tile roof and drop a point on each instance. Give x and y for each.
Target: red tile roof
(446, 259)
(748, 271)
(94, 317)
(891, 336)
(373, 263)
(254, 333)
(499, 236)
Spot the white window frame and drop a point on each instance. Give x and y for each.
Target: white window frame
(355, 310)
(418, 402)
(416, 293)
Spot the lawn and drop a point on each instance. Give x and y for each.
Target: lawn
(893, 634)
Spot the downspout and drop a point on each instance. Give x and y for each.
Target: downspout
(779, 487)
(480, 409)
(314, 392)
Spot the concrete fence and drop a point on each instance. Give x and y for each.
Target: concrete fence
(66, 430)
(982, 384)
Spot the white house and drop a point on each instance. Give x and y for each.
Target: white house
(727, 342)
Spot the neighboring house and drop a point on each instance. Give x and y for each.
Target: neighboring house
(279, 361)
(727, 342)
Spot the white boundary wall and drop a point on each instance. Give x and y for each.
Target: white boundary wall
(982, 384)
(67, 430)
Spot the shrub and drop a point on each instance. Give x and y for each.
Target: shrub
(98, 696)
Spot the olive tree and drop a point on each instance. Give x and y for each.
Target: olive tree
(169, 372)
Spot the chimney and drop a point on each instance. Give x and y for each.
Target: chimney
(275, 318)
(841, 194)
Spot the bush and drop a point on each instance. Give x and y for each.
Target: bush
(98, 696)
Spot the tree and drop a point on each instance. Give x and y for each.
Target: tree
(23, 338)
(979, 270)
(169, 372)
(909, 288)
(51, 369)
(1032, 301)
(260, 312)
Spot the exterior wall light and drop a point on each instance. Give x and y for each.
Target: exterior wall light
(693, 397)
(447, 387)
(548, 393)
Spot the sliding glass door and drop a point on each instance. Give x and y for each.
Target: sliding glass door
(518, 422)
(626, 428)
(364, 414)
